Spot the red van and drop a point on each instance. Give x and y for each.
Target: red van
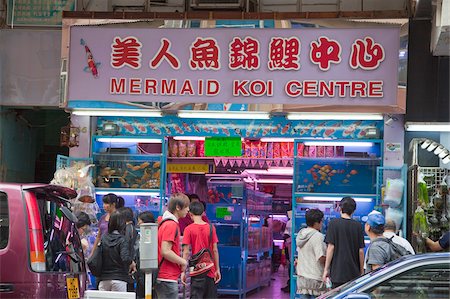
(40, 249)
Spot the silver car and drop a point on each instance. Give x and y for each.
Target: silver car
(414, 276)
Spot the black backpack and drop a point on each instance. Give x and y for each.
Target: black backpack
(397, 251)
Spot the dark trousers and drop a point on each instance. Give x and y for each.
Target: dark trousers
(203, 287)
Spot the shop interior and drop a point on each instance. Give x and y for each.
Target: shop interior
(253, 198)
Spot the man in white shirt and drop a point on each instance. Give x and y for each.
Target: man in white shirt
(390, 230)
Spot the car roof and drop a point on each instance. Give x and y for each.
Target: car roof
(19, 186)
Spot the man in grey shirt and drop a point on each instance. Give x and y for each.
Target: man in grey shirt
(378, 253)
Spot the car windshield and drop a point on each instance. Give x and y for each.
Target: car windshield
(352, 283)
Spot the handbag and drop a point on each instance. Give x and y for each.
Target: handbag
(202, 261)
(95, 262)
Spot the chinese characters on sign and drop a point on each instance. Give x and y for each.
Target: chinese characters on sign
(244, 54)
(38, 13)
(265, 67)
(223, 147)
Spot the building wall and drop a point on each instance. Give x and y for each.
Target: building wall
(17, 148)
(428, 98)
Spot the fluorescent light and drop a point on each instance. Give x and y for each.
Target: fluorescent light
(117, 112)
(274, 181)
(281, 171)
(330, 198)
(272, 171)
(334, 116)
(224, 115)
(425, 144)
(137, 193)
(427, 127)
(128, 140)
(446, 159)
(444, 153)
(432, 146)
(439, 150)
(190, 138)
(339, 143)
(280, 217)
(274, 139)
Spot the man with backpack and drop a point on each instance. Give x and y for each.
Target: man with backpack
(171, 264)
(201, 238)
(381, 250)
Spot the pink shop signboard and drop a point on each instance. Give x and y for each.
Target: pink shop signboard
(285, 66)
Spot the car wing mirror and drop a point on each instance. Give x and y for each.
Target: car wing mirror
(357, 296)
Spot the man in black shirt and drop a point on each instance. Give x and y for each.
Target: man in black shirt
(345, 249)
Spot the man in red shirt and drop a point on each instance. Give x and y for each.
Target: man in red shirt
(197, 236)
(171, 264)
(185, 221)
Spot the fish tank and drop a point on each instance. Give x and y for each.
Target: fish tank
(337, 167)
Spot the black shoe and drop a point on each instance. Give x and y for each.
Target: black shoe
(286, 289)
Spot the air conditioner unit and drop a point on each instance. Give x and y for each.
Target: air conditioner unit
(216, 4)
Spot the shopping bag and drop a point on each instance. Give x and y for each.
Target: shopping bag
(201, 262)
(95, 261)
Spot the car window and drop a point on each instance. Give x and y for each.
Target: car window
(4, 220)
(429, 281)
(62, 245)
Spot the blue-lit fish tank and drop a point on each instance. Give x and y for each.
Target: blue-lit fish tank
(330, 211)
(337, 175)
(227, 192)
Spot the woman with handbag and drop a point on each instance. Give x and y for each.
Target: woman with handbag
(116, 258)
(204, 267)
(111, 203)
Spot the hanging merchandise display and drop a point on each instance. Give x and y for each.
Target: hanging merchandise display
(429, 197)
(75, 173)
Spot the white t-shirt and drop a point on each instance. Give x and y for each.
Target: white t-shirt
(308, 264)
(400, 241)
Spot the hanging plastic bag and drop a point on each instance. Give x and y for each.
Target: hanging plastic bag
(422, 192)
(394, 192)
(395, 215)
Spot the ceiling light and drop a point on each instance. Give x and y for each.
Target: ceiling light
(271, 171)
(444, 153)
(329, 198)
(117, 112)
(339, 143)
(334, 116)
(122, 192)
(439, 150)
(274, 139)
(224, 115)
(426, 143)
(128, 140)
(427, 127)
(446, 159)
(432, 146)
(189, 138)
(274, 181)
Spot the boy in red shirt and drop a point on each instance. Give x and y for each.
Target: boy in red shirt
(184, 222)
(197, 236)
(171, 264)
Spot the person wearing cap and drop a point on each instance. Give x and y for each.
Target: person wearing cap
(345, 246)
(390, 231)
(378, 253)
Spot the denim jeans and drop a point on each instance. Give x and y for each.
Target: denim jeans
(166, 290)
(306, 296)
